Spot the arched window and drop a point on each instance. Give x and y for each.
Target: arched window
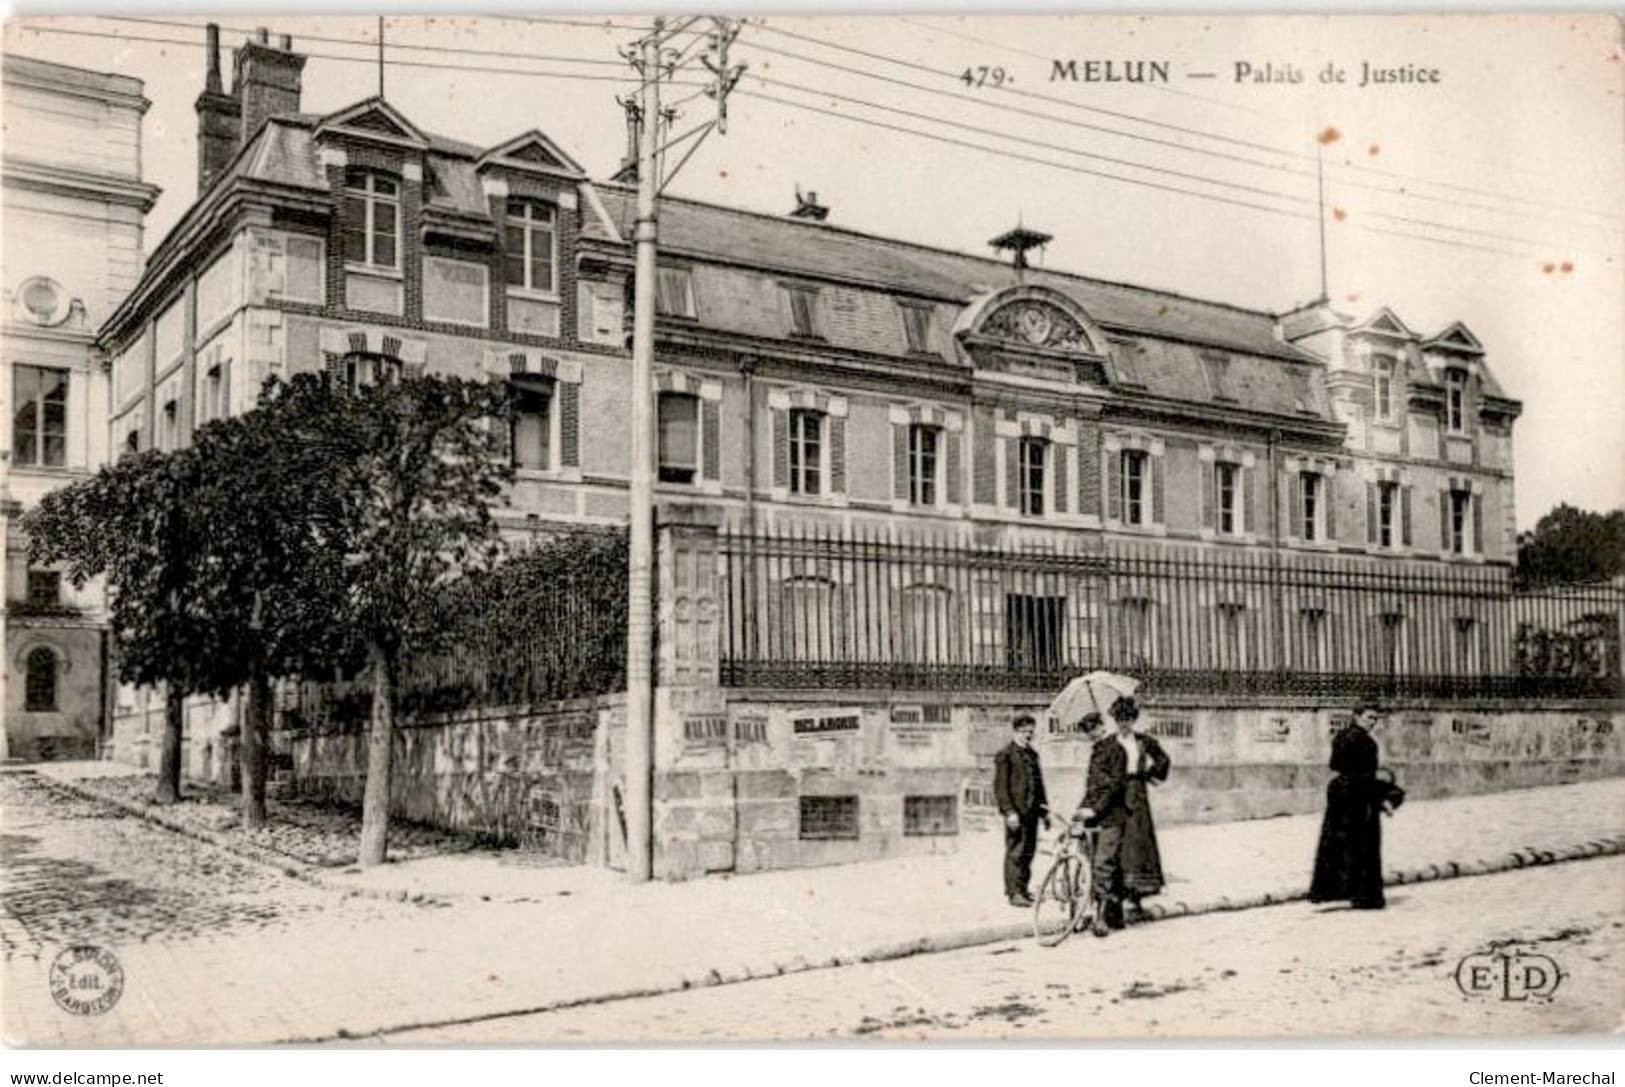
(41, 683)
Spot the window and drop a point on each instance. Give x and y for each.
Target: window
(372, 219)
(1030, 475)
(1383, 390)
(1387, 501)
(1465, 657)
(679, 437)
(39, 430)
(1033, 630)
(1228, 494)
(1312, 639)
(40, 685)
(1455, 401)
(214, 405)
(806, 450)
(803, 306)
(930, 816)
(532, 416)
(674, 292)
(1136, 633)
(1391, 643)
(44, 588)
(1135, 505)
(1460, 510)
(829, 818)
(1218, 376)
(359, 369)
(1230, 635)
(917, 326)
(922, 464)
(132, 441)
(1309, 505)
(530, 239)
(929, 624)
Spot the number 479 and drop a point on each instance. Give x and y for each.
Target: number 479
(983, 76)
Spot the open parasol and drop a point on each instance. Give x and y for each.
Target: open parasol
(1093, 692)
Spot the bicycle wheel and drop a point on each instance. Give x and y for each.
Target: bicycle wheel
(1056, 906)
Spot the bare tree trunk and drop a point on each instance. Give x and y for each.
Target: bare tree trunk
(169, 757)
(380, 749)
(251, 751)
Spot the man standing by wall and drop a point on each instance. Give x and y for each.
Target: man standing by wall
(1018, 784)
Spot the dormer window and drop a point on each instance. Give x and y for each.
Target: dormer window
(674, 292)
(530, 246)
(803, 309)
(1456, 401)
(372, 219)
(916, 327)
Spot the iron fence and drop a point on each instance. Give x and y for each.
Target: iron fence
(867, 611)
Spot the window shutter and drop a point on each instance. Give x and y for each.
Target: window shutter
(1209, 486)
(1154, 466)
(1088, 471)
(335, 369)
(1114, 485)
(225, 389)
(984, 459)
(1478, 525)
(951, 470)
(1012, 472)
(1294, 504)
(1328, 487)
(1444, 519)
(781, 449)
(1371, 513)
(899, 460)
(1057, 455)
(711, 438)
(570, 424)
(1247, 516)
(1405, 515)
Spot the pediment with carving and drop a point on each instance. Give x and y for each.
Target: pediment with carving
(1038, 324)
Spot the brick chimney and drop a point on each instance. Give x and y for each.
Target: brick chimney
(266, 81)
(219, 119)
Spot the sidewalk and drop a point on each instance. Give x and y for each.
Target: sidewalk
(515, 938)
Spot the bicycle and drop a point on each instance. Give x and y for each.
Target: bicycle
(1065, 901)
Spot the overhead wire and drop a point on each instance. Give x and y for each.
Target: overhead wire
(761, 24)
(1020, 157)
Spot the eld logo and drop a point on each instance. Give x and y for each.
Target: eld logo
(1512, 976)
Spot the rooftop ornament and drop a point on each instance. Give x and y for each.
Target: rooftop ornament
(1018, 241)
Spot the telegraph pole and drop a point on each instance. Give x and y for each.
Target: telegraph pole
(640, 731)
(639, 685)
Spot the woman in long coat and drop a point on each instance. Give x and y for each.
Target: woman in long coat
(1348, 861)
(1117, 799)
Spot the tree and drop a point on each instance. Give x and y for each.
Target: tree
(416, 467)
(1572, 546)
(134, 523)
(269, 572)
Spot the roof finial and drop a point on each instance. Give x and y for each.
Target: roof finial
(1018, 241)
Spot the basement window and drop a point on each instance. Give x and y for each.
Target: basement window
(829, 818)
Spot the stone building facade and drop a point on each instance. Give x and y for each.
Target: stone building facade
(817, 381)
(74, 204)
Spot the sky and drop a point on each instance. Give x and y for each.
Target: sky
(1490, 195)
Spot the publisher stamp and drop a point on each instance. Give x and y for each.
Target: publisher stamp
(86, 979)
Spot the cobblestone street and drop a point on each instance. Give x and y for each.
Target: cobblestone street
(216, 949)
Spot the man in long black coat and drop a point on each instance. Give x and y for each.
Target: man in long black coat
(1348, 860)
(1018, 785)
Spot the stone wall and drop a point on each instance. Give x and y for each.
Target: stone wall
(539, 778)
